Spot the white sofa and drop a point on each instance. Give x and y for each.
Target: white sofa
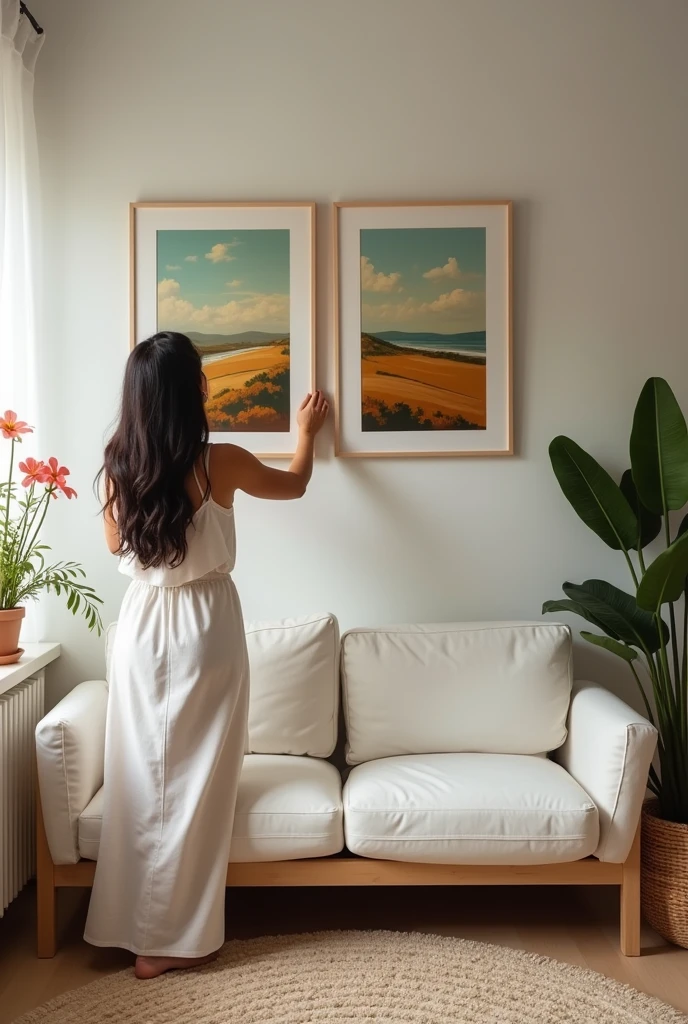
(471, 755)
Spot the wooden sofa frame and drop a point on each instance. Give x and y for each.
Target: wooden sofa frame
(351, 870)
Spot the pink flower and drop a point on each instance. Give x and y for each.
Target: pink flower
(54, 476)
(35, 472)
(11, 427)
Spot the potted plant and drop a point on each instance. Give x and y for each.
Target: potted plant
(629, 516)
(24, 572)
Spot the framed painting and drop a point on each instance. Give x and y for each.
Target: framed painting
(423, 329)
(239, 280)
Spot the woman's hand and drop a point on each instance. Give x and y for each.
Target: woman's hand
(312, 413)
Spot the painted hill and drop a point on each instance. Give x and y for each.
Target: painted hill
(244, 338)
(468, 337)
(376, 345)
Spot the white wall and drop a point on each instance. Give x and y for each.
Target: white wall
(574, 110)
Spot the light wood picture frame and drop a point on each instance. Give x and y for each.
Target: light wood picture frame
(423, 328)
(239, 279)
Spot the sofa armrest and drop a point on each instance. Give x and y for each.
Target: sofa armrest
(70, 750)
(608, 752)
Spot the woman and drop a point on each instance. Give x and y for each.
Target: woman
(178, 704)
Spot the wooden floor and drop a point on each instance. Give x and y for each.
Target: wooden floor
(576, 924)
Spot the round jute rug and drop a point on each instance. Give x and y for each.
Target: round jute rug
(347, 977)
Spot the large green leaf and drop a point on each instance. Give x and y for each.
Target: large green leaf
(666, 577)
(618, 613)
(563, 605)
(659, 448)
(593, 494)
(683, 528)
(621, 650)
(650, 522)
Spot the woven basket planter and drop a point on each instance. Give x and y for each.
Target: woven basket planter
(664, 875)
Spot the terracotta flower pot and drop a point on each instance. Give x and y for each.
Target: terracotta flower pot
(664, 875)
(10, 626)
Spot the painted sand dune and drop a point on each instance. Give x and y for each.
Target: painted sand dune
(405, 388)
(248, 390)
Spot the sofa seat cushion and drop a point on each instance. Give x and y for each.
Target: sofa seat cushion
(468, 809)
(287, 808)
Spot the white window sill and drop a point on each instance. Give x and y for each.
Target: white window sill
(34, 658)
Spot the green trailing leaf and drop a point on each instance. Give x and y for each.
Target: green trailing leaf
(650, 523)
(659, 448)
(665, 579)
(575, 608)
(595, 497)
(621, 650)
(618, 613)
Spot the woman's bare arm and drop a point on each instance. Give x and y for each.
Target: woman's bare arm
(110, 527)
(235, 469)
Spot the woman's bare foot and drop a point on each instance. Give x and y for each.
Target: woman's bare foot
(153, 966)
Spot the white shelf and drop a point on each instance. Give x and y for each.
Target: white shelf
(34, 658)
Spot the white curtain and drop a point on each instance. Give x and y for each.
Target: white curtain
(19, 233)
(19, 213)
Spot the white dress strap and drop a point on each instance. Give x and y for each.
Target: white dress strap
(198, 482)
(206, 467)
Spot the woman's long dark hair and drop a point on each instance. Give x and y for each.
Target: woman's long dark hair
(161, 432)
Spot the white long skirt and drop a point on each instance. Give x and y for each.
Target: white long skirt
(174, 747)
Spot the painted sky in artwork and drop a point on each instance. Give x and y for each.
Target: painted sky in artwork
(423, 279)
(223, 282)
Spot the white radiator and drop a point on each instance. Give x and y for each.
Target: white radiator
(21, 708)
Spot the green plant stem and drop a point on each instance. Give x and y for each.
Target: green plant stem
(664, 724)
(31, 502)
(676, 692)
(654, 673)
(668, 790)
(641, 559)
(684, 669)
(9, 495)
(642, 692)
(673, 756)
(664, 675)
(46, 499)
(631, 567)
(17, 552)
(673, 763)
(29, 527)
(674, 643)
(653, 782)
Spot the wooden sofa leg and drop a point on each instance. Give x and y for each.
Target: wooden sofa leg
(46, 905)
(630, 901)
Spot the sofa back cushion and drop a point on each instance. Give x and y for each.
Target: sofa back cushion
(294, 686)
(294, 699)
(501, 688)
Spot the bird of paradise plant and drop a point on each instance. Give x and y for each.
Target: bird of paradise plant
(628, 516)
(24, 571)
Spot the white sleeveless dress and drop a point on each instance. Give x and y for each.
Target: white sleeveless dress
(174, 747)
